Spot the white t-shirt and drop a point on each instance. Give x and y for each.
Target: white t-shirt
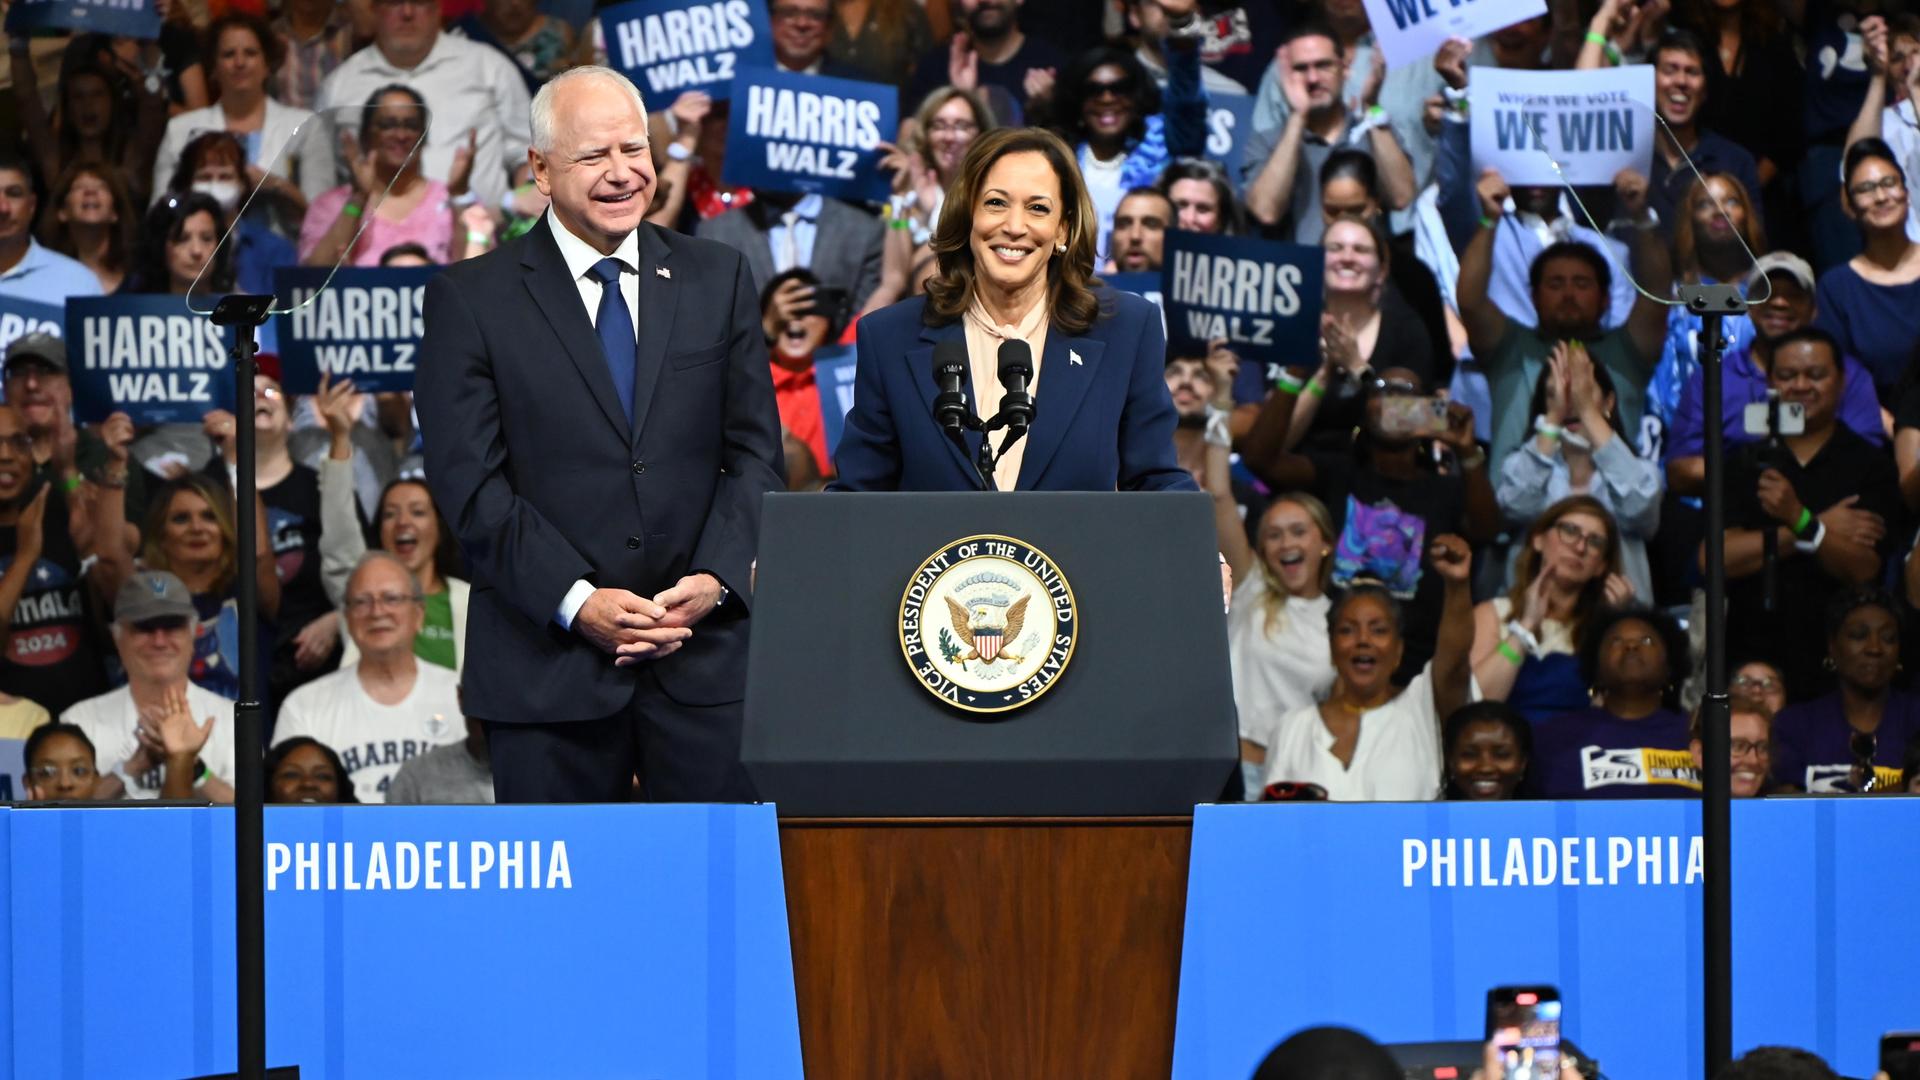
(1397, 757)
(1902, 132)
(1274, 674)
(374, 740)
(111, 719)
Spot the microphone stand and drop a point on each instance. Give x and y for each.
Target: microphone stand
(245, 314)
(1769, 538)
(1713, 303)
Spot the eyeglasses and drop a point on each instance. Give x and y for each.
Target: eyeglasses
(269, 393)
(1754, 747)
(366, 602)
(21, 369)
(1117, 87)
(953, 127)
(21, 444)
(54, 772)
(166, 624)
(799, 14)
(1864, 777)
(1756, 684)
(1578, 537)
(1888, 184)
(399, 123)
(1633, 641)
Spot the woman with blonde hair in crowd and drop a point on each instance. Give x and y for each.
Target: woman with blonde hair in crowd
(923, 165)
(189, 532)
(1526, 643)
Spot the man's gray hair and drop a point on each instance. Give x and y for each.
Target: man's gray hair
(375, 555)
(543, 101)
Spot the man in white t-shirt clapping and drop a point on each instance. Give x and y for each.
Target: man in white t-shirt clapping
(389, 707)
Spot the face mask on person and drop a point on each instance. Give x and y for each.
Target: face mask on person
(224, 192)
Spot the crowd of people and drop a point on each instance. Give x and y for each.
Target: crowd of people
(1466, 533)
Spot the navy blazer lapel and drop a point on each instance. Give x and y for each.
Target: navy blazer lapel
(920, 374)
(557, 296)
(659, 299)
(1068, 366)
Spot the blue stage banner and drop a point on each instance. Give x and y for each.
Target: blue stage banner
(1396, 919)
(123, 18)
(668, 47)
(1261, 295)
(146, 355)
(833, 377)
(1229, 122)
(810, 134)
(420, 941)
(19, 317)
(365, 325)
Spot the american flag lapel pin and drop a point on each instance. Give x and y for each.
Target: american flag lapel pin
(1073, 358)
(661, 271)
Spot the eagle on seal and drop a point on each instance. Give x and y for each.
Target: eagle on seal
(986, 630)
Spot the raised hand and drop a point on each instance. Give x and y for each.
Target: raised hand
(1630, 187)
(1451, 62)
(1452, 559)
(1223, 364)
(963, 63)
(690, 110)
(460, 174)
(1494, 193)
(180, 737)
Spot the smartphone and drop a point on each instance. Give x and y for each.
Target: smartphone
(1524, 1023)
(1900, 1055)
(1793, 419)
(1412, 417)
(833, 302)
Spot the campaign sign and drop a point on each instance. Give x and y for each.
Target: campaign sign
(1229, 122)
(1262, 296)
(1594, 123)
(364, 326)
(1144, 284)
(668, 47)
(415, 941)
(1411, 31)
(19, 317)
(147, 356)
(124, 18)
(1397, 918)
(810, 134)
(833, 376)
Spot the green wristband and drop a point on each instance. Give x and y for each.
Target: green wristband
(1507, 650)
(1316, 387)
(351, 209)
(1287, 383)
(1805, 519)
(71, 484)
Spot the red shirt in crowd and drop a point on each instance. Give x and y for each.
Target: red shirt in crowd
(797, 395)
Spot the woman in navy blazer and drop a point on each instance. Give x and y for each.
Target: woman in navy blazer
(1016, 247)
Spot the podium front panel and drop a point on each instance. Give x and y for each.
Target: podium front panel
(1140, 720)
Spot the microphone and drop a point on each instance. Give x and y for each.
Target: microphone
(1016, 370)
(949, 371)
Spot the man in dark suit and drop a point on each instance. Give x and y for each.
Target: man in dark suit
(600, 427)
(780, 231)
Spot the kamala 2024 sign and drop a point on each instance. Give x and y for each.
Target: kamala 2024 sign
(987, 623)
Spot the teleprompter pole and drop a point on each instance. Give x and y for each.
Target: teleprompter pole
(1713, 303)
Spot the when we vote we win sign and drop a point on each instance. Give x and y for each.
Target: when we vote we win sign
(1592, 123)
(1411, 31)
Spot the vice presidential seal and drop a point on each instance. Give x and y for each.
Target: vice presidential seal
(987, 623)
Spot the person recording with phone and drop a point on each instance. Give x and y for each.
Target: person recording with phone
(1014, 313)
(1829, 497)
(800, 316)
(1387, 494)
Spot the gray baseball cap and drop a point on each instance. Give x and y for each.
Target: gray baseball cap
(152, 594)
(1781, 262)
(41, 346)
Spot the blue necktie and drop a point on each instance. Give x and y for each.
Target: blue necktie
(615, 326)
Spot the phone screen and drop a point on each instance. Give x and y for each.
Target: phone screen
(1524, 1023)
(1408, 416)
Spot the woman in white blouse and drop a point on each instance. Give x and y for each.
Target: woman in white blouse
(1370, 740)
(1277, 624)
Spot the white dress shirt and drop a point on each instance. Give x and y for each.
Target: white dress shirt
(580, 257)
(806, 214)
(1395, 759)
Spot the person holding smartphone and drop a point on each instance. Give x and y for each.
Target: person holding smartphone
(800, 316)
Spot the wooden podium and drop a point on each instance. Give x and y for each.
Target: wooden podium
(986, 947)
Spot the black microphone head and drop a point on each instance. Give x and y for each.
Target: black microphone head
(950, 359)
(1016, 357)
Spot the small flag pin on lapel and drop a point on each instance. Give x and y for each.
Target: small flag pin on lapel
(661, 271)
(1073, 358)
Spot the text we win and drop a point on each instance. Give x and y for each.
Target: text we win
(1583, 131)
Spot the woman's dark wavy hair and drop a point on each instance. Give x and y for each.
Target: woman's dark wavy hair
(1482, 712)
(1070, 95)
(371, 111)
(1672, 638)
(273, 50)
(1072, 304)
(58, 235)
(343, 783)
(163, 226)
(206, 148)
(1233, 216)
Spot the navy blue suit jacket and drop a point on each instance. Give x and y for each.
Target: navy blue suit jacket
(1103, 422)
(535, 467)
